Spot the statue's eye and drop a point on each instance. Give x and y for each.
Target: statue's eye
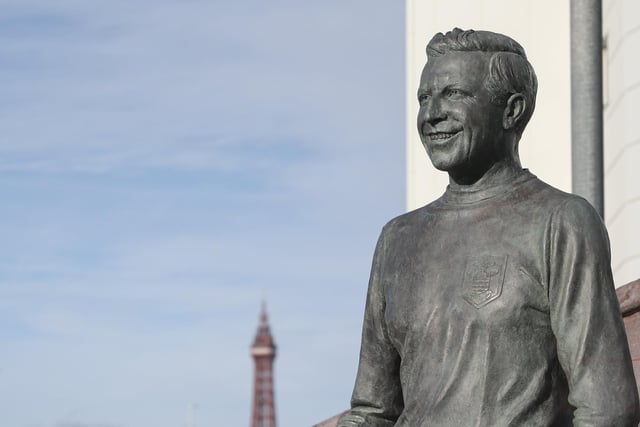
(454, 93)
(423, 98)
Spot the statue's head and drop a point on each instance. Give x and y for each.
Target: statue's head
(477, 94)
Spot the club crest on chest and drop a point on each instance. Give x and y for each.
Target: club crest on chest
(483, 279)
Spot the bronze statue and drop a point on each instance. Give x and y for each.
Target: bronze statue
(493, 305)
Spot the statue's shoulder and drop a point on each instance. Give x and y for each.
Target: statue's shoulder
(562, 199)
(411, 219)
(566, 208)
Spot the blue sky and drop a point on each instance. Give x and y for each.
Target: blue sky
(163, 166)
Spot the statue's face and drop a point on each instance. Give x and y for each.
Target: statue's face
(458, 124)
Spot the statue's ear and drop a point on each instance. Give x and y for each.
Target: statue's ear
(513, 111)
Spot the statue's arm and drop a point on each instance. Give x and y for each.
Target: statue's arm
(585, 317)
(377, 395)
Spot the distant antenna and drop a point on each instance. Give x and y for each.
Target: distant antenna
(191, 415)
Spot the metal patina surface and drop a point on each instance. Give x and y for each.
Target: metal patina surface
(494, 305)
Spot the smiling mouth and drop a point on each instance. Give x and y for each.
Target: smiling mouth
(442, 136)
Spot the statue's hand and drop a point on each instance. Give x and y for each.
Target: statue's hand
(351, 420)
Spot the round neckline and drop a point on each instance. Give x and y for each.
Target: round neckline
(465, 196)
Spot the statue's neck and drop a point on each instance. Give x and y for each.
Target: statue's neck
(499, 173)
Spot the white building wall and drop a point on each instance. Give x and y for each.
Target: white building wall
(542, 27)
(621, 25)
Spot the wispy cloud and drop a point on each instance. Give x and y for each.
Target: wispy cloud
(84, 424)
(107, 98)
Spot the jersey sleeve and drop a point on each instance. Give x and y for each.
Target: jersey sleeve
(585, 318)
(377, 396)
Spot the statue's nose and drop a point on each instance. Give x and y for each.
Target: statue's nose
(433, 112)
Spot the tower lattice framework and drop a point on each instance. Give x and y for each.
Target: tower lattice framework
(263, 352)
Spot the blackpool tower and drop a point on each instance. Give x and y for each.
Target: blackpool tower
(263, 352)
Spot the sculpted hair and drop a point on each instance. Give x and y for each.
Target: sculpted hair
(509, 70)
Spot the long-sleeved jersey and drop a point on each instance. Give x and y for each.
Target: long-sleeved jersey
(494, 308)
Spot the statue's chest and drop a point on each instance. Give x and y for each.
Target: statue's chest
(445, 284)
